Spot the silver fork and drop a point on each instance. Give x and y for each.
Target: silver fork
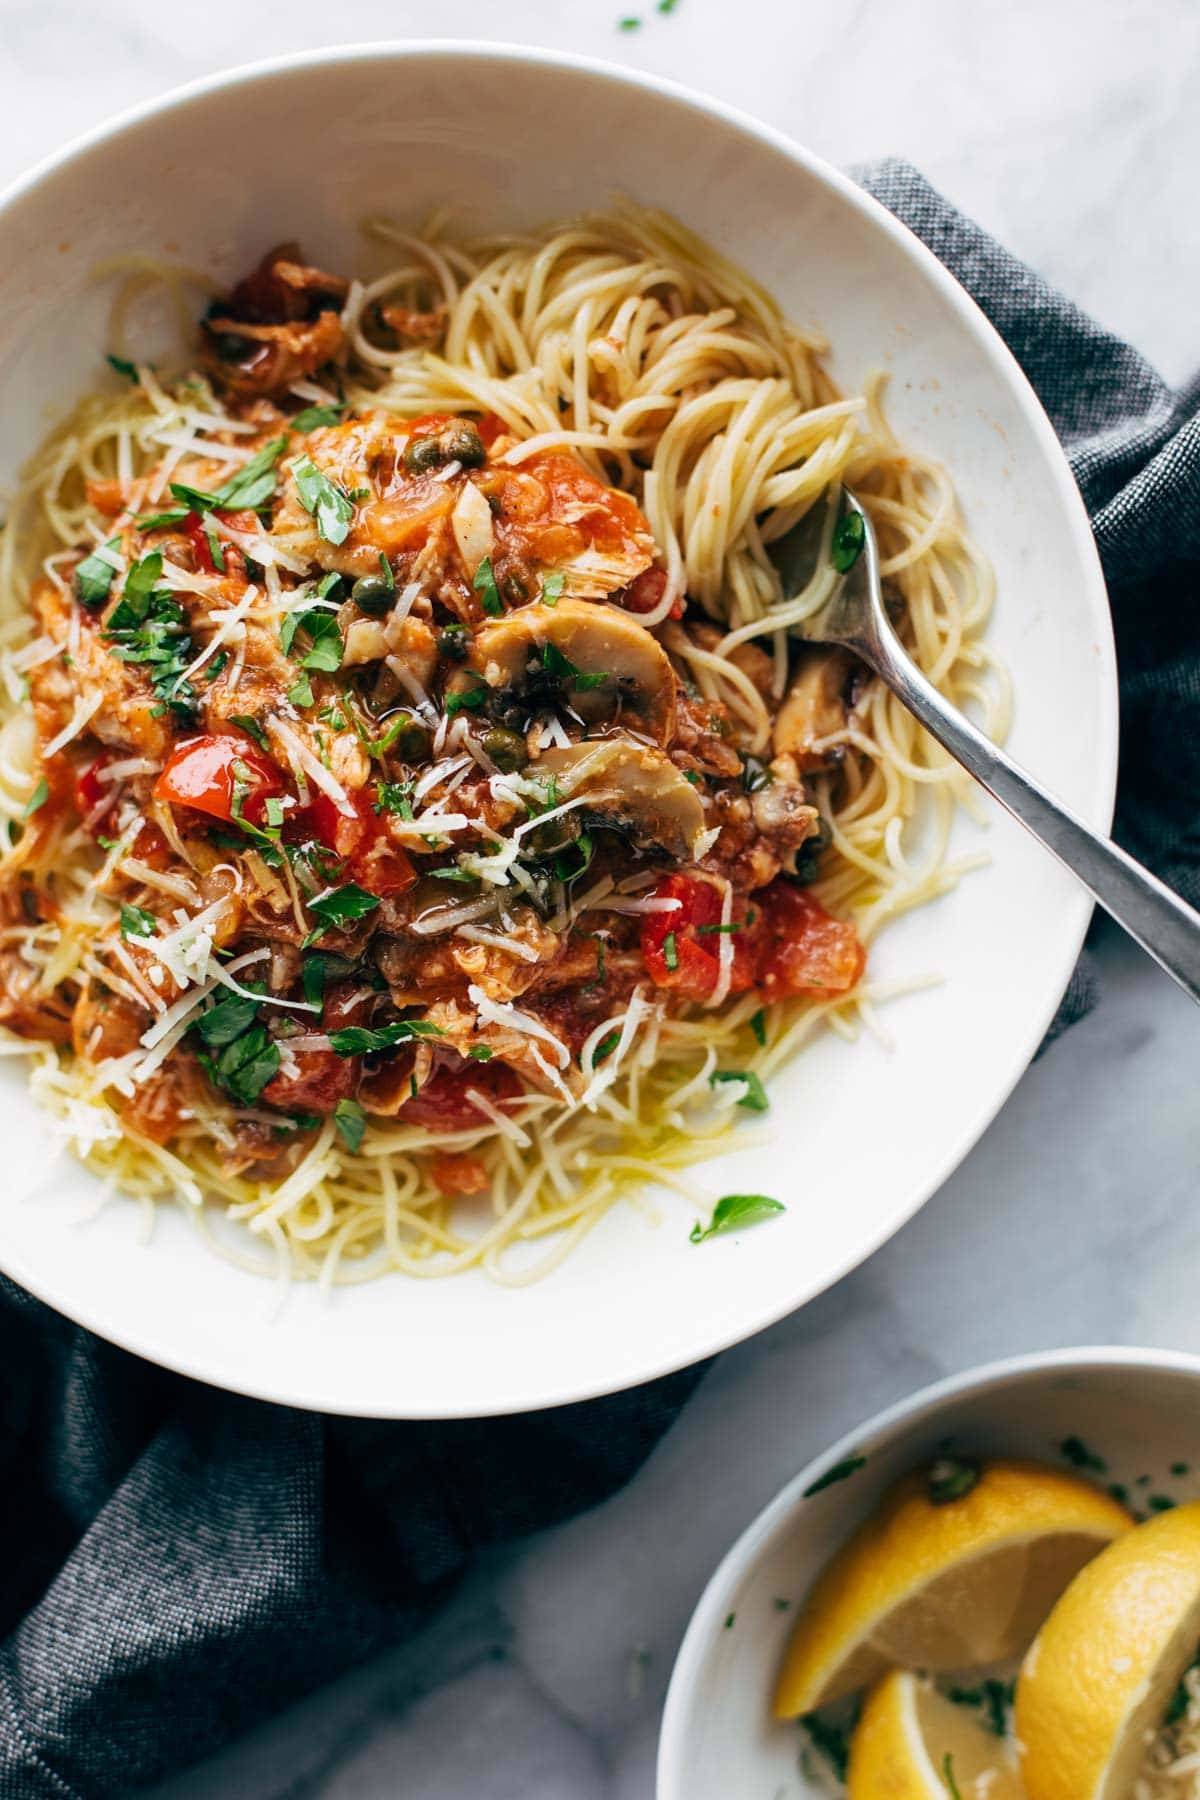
(855, 617)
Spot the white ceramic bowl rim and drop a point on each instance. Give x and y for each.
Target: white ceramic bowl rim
(707, 1338)
(926, 1403)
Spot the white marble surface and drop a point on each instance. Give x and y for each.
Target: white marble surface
(1071, 130)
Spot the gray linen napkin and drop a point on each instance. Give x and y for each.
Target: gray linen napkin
(179, 1562)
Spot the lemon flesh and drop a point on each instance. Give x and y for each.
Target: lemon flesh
(910, 1739)
(1100, 1675)
(950, 1586)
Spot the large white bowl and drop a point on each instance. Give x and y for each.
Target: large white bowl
(1134, 1409)
(860, 1138)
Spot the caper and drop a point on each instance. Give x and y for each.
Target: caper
(373, 595)
(556, 834)
(462, 443)
(413, 741)
(423, 454)
(230, 348)
(506, 748)
(452, 642)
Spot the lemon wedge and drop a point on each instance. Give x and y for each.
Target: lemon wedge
(1101, 1672)
(957, 1568)
(913, 1744)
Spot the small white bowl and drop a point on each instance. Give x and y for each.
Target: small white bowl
(1134, 1409)
(858, 1138)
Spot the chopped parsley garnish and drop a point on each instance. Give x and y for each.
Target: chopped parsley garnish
(733, 1210)
(605, 1047)
(394, 797)
(351, 1122)
(338, 907)
(217, 664)
(571, 861)
(833, 1742)
(137, 923)
(755, 1096)
(300, 693)
(1080, 1457)
(317, 970)
(951, 1478)
(555, 663)
(629, 23)
(552, 589)
(359, 1040)
(382, 744)
(227, 1020)
(245, 1065)
(174, 515)
(471, 701)
(385, 571)
(952, 1787)
(252, 728)
(247, 490)
(94, 577)
(758, 1025)
(453, 873)
(480, 1053)
(123, 366)
(313, 417)
(330, 506)
(37, 799)
(254, 483)
(722, 930)
(995, 1697)
(150, 628)
(325, 639)
(850, 534)
(484, 585)
(246, 1054)
(840, 1472)
(670, 948)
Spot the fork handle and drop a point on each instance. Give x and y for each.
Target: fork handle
(1163, 924)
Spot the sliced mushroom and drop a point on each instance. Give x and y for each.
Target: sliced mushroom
(539, 651)
(814, 706)
(632, 789)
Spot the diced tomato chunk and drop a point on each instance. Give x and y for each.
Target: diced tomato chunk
(443, 1103)
(784, 942)
(208, 772)
(803, 950)
(460, 1175)
(490, 426)
(682, 948)
(322, 1077)
(375, 864)
(336, 830)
